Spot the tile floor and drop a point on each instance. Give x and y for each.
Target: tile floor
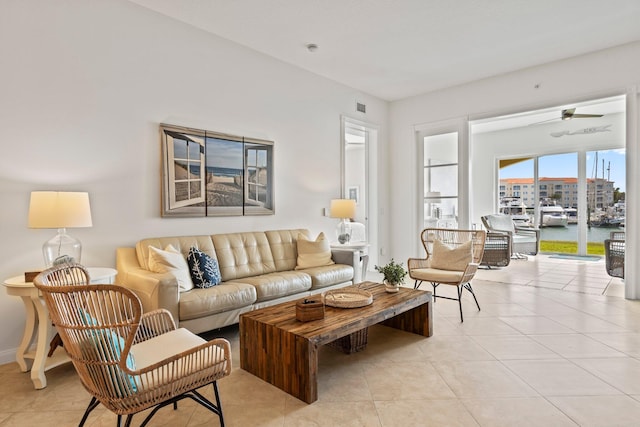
(554, 345)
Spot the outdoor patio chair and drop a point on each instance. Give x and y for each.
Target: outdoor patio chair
(453, 257)
(524, 240)
(614, 254)
(127, 360)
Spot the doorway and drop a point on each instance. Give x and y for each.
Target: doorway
(359, 170)
(558, 152)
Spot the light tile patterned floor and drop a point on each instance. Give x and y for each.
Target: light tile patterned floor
(554, 345)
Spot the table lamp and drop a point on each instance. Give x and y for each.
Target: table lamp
(61, 210)
(345, 209)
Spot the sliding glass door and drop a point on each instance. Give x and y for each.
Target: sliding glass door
(577, 199)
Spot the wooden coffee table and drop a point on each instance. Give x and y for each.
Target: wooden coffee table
(279, 349)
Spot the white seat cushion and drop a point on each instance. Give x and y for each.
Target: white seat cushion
(166, 345)
(437, 275)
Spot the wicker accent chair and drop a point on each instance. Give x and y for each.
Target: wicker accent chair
(441, 271)
(127, 360)
(497, 250)
(614, 254)
(524, 240)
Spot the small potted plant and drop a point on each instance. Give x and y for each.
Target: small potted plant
(394, 274)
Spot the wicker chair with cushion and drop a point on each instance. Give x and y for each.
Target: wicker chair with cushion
(614, 254)
(127, 360)
(453, 257)
(497, 250)
(524, 240)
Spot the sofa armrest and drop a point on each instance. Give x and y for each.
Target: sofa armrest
(347, 257)
(155, 290)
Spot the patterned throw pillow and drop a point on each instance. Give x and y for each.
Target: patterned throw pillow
(205, 272)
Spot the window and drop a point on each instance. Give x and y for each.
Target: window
(440, 165)
(258, 160)
(185, 157)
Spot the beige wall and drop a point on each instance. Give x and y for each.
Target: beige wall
(84, 88)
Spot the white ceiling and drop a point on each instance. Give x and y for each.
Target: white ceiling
(395, 49)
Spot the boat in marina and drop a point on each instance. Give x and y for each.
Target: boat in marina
(572, 215)
(515, 207)
(552, 215)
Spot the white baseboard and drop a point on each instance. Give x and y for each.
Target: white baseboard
(8, 356)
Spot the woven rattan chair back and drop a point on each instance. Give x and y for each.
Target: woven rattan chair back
(98, 325)
(420, 268)
(453, 238)
(88, 318)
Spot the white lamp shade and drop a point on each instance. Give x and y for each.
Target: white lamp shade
(59, 209)
(342, 208)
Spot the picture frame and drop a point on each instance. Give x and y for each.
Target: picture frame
(206, 173)
(353, 193)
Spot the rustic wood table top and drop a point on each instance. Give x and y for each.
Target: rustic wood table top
(339, 322)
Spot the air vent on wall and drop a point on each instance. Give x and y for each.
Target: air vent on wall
(361, 107)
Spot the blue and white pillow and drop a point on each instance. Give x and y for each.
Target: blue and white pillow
(205, 272)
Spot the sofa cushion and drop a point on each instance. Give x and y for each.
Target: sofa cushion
(315, 253)
(217, 299)
(284, 247)
(171, 261)
(279, 284)
(329, 275)
(243, 255)
(204, 269)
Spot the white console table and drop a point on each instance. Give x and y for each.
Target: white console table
(39, 325)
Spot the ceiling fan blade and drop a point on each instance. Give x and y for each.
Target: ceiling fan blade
(567, 114)
(584, 116)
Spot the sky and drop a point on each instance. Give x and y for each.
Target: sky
(566, 166)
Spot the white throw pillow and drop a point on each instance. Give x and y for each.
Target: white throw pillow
(170, 260)
(313, 253)
(453, 259)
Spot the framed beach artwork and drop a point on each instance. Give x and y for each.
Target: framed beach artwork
(207, 173)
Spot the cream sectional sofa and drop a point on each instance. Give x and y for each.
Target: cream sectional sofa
(258, 269)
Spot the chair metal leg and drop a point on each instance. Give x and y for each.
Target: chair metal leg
(435, 285)
(417, 284)
(470, 289)
(460, 302)
(218, 404)
(92, 405)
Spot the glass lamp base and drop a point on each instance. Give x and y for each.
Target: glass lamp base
(61, 248)
(343, 232)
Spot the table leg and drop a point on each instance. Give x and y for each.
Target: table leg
(282, 359)
(418, 320)
(27, 336)
(38, 368)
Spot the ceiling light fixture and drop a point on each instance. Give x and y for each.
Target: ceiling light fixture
(312, 47)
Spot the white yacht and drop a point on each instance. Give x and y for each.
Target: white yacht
(572, 215)
(552, 215)
(515, 207)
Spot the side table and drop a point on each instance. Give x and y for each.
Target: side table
(38, 324)
(360, 255)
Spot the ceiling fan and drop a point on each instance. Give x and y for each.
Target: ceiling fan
(568, 114)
